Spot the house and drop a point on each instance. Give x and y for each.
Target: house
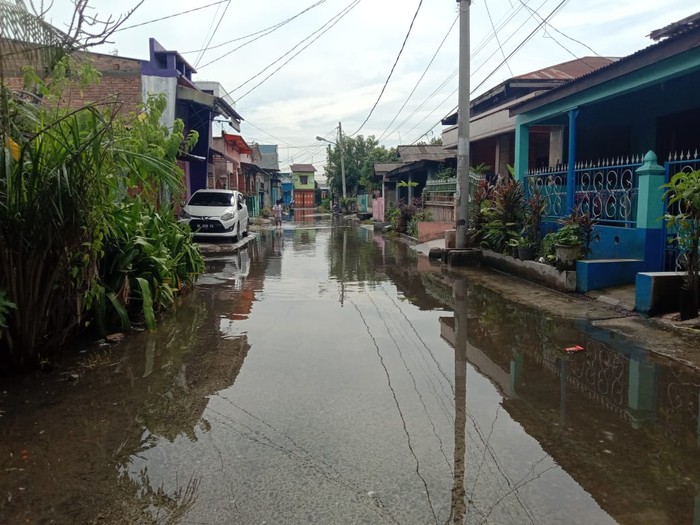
(418, 164)
(129, 82)
(613, 120)
(269, 188)
(303, 179)
(287, 187)
(492, 128)
(228, 152)
(167, 72)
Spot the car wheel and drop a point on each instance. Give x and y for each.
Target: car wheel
(245, 232)
(237, 235)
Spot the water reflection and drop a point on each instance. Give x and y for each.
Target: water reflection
(330, 375)
(622, 423)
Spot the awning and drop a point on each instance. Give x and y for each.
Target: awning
(213, 151)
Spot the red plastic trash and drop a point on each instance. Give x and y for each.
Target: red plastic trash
(571, 349)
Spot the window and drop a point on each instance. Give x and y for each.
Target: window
(304, 179)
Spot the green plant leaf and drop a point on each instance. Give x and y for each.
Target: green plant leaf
(147, 303)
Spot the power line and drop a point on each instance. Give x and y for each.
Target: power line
(536, 14)
(517, 48)
(482, 45)
(495, 34)
(415, 15)
(429, 114)
(266, 133)
(266, 32)
(428, 98)
(330, 24)
(221, 18)
(520, 46)
(170, 16)
(420, 79)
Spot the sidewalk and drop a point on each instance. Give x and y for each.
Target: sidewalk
(621, 297)
(611, 309)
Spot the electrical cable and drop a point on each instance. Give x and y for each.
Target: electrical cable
(420, 79)
(266, 32)
(403, 45)
(517, 48)
(211, 25)
(481, 46)
(522, 44)
(429, 114)
(428, 98)
(221, 18)
(583, 60)
(495, 34)
(562, 33)
(169, 16)
(330, 24)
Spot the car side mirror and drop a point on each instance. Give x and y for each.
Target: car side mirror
(240, 206)
(182, 204)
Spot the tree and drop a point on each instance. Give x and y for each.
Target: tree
(360, 156)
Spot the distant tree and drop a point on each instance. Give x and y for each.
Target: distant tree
(360, 156)
(435, 141)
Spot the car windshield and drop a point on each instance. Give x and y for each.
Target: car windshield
(211, 199)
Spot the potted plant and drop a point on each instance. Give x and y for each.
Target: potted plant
(567, 243)
(526, 246)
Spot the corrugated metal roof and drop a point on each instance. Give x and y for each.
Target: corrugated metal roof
(384, 167)
(423, 152)
(302, 168)
(690, 22)
(672, 46)
(568, 70)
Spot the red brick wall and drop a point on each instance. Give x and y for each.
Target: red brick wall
(120, 82)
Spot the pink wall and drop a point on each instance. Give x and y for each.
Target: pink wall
(378, 209)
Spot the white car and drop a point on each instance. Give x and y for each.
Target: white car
(216, 213)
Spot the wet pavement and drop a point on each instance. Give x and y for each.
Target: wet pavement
(322, 374)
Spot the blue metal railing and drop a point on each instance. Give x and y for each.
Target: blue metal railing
(607, 190)
(673, 252)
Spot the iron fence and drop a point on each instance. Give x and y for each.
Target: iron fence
(605, 189)
(686, 162)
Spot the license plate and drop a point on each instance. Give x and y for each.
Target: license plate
(206, 226)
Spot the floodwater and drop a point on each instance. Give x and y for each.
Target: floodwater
(326, 375)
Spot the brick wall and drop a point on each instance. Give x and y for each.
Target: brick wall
(120, 81)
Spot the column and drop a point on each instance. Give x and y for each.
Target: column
(650, 210)
(522, 149)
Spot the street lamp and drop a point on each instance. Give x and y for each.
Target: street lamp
(342, 155)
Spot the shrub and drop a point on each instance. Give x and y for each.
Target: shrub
(149, 258)
(502, 215)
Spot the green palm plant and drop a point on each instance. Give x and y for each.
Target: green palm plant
(62, 176)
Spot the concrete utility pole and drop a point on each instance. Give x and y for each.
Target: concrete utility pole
(342, 155)
(463, 182)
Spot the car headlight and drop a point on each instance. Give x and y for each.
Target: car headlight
(227, 216)
(184, 215)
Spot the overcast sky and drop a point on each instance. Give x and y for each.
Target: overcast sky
(339, 76)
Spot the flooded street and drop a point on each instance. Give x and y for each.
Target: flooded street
(326, 375)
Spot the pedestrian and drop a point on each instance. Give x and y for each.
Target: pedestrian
(277, 213)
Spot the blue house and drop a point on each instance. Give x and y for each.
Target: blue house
(620, 123)
(287, 186)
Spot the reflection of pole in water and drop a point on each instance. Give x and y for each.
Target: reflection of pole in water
(342, 274)
(460, 446)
